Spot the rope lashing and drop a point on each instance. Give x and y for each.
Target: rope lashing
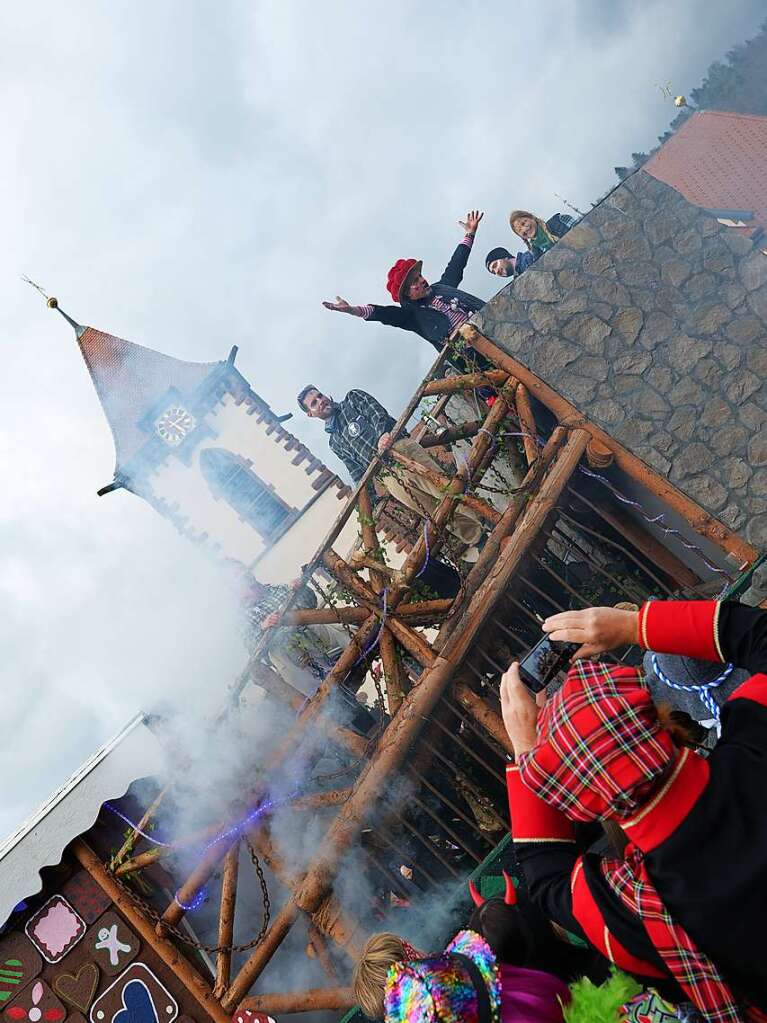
(701, 689)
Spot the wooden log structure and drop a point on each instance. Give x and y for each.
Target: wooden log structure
(226, 920)
(701, 521)
(416, 707)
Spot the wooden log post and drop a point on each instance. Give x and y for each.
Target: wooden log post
(226, 920)
(701, 521)
(393, 674)
(318, 943)
(466, 382)
(436, 522)
(484, 715)
(182, 969)
(422, 613)
(450, 434)
(527, 424)
(312, 999)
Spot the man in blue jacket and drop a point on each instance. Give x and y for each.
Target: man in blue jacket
(433, 311)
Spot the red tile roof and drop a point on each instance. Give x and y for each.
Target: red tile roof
(717, 160)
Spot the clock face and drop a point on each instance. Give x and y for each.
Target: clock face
(174, 425)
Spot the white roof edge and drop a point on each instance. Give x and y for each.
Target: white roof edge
(135, 752)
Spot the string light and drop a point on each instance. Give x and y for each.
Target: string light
(136, 828)
(656, 520)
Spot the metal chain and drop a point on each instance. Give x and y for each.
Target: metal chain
(156, 917)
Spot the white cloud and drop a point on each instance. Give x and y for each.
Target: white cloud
(194, 175)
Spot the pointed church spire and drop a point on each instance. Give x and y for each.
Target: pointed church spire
(53, 303)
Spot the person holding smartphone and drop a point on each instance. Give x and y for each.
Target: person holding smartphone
(678, 909)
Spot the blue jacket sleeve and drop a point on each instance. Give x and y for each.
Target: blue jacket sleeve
(523, 261)
(453, 274)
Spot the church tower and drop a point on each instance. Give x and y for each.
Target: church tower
(202, 448)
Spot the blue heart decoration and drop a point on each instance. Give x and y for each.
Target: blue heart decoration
(138, 1006)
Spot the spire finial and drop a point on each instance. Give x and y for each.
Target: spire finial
(53, 303)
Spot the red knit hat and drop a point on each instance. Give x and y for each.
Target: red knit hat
(398, 276)
(600, 745)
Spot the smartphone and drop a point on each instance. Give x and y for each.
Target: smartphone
(544, 662)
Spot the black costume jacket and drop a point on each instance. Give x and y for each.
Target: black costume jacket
(703, 834)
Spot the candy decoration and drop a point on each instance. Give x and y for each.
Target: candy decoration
(37, 1004)
(137, 996)
(78, 988)
(55, 928)
(19, 964)
(112, 944)
(85, 896)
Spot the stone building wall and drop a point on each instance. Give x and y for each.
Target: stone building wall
(651, 318)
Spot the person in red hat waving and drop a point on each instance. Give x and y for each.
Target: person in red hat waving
(687, 902)
(433, 311)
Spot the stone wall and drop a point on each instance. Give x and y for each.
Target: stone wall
(651, 318)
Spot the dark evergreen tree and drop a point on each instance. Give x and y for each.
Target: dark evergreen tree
(738, 85)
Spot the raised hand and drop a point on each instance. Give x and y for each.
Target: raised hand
(597, 629)
(519, 710)
(339, 306)
(471, 223)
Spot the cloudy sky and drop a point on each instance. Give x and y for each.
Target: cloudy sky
(191, 175)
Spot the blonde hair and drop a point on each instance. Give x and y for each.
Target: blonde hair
(381, 951)
(518, 214)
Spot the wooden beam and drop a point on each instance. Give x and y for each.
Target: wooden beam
(527, 424)
(168, 953)
(226, 920)
(701, 521)
(450, 434)
(421, 613)
(484, 715)
(393, 673)
(318, 943)
(636, 534)
(312, 999)
(466, 382)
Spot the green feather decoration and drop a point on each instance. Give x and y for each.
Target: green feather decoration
(593, 1003)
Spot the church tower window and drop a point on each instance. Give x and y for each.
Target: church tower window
(231, 477)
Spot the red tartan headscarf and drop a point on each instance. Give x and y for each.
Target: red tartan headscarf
(600, 745)
(600, 754)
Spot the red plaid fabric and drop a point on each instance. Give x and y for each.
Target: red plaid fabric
(600, 747)
(600, 754)
(695, 973)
